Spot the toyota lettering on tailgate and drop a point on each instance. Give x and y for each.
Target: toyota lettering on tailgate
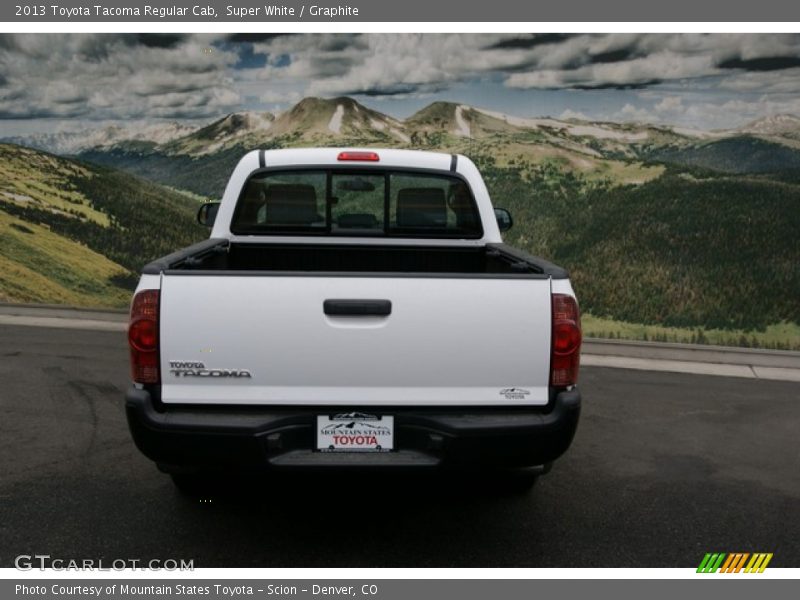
(180, 368)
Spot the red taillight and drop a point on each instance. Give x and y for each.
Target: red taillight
(143, 337)
(364, 156)
(566, 344)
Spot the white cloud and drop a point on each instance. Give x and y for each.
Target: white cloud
(392, 64)
(573, 114)
(656, 67)
(129, 76)
(386, 63)
(279, 97)
(113, 76)
(669, 104)
(783, 81)
(629, 112)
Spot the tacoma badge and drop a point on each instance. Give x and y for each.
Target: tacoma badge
(181, 368)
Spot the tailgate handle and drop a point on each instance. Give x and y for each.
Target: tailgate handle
(357, 308)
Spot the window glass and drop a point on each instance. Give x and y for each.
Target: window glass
(431, 203)
(353, 202)
(357, 202)
(283, 201)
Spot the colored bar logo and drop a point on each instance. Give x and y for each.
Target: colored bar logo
(721, 562)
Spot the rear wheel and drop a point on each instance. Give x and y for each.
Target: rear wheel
(518, 480)
(195, 485)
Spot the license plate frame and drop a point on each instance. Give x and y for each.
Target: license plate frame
(355, 432)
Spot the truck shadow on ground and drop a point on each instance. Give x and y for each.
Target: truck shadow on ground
(359, 518)
(354, 490)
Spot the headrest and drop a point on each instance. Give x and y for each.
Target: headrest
(421, 207)
(291, 204)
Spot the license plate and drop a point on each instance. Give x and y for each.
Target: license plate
(355, 432)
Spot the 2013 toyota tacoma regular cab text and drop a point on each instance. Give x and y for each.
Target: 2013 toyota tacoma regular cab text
(353, 308)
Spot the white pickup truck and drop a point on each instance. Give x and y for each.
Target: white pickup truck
(353, 308)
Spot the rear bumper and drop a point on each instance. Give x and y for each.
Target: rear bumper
(283, 437)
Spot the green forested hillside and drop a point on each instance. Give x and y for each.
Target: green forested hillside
(78, 233)
(683, 250)
(37, 265)
(721, 252)
(205, 175)
(741, 154)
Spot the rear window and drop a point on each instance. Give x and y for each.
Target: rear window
(357, 203)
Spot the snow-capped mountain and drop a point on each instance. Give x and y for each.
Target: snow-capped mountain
(74, 142)
(777, 125)
(447, 125)
(310, 120)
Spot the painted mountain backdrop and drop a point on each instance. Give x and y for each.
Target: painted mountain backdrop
(668, 232)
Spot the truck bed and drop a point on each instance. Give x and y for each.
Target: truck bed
(221, 256)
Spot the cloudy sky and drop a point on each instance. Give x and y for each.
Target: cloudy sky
(63, 81)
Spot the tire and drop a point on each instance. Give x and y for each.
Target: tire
(194, 485)
(519, 480)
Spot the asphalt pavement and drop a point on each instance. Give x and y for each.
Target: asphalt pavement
(664, 468)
